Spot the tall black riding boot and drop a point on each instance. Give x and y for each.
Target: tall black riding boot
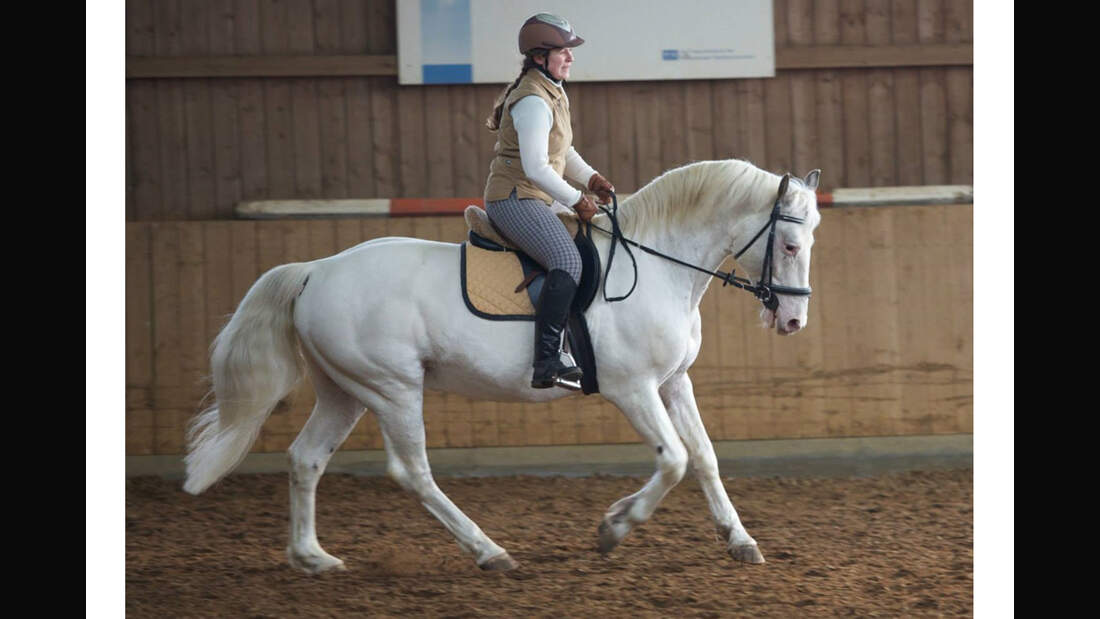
(550, 318)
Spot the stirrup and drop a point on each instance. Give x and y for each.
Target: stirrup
(572, 385)
(558, 380)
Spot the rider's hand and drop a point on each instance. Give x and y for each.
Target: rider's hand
(585, 208)
(601, 187)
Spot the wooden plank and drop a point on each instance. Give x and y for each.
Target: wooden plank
(360, 140)
(777, 128)
(332, 103)
(832, 303)
(727, 129)
(279, 155)
(959, 280)
(412, 167)
(562, 415)
(509, 423)
(673, 137)
(623, 161)
(933, 97)
(485, 96)
(244, 269)
(140, 28)
(322, 238)
(333, 108)
(752, 109)
(165, 239)
(193, 342)
(228, 183)
(348, 234)
(878, 410)
(910, 166)
(960, 124)
(880, 101)
(139, 306)
(829, 109)
(452, 229)
(217, 275)
(195, 39)
(467, 161)
(141, 126)
(780, 26)
(384, 144)
(304, 102)
(140, 432)
(199, 149)
(171, 119)
(595, 131)
(250, 104)
(960, 94)
(589, 431)
(382, 27)
(804, 148)
(438, 143)
(914, 317)
(143, 139)
(647, 129)
(854, 89)
(700, 124)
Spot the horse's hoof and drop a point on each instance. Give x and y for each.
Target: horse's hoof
(747, 553)
(499, 563)
(316, 564)
(607, 538)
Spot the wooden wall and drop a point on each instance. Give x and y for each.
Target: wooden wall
(198, 146)
(887, 349)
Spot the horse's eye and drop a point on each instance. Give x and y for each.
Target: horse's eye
(790, 248)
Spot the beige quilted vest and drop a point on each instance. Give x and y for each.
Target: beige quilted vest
(506, 171)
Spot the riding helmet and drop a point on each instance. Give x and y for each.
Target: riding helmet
(546, 31)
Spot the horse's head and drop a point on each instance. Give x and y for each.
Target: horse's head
(789, 259)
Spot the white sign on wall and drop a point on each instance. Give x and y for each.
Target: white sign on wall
(475, 41)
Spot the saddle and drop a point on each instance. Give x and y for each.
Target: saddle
(500, 282)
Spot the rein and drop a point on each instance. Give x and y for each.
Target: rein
(763, 290)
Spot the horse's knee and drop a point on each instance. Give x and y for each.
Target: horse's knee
(303, 468)
(672, 460)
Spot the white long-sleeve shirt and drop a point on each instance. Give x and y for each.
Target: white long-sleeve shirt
(533, 119)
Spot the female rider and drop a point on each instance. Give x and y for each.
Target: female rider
(533, 152)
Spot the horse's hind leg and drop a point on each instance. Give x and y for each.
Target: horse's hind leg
(333, 418)
(644, 409)
(401, 420)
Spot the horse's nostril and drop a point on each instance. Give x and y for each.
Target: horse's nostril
(793, 324)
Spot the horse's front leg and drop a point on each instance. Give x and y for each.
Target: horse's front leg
(679, 398)
(647, 414)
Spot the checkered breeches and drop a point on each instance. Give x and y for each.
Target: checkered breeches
(534, 228)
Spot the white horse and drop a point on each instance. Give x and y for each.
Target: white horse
(380, 322)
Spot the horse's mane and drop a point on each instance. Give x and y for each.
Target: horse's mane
(693, 191)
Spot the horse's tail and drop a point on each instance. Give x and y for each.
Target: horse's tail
(255, 363)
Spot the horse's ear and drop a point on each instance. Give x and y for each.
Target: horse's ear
(783, 185)
(812, 179)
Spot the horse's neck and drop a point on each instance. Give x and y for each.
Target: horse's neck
(700, 237)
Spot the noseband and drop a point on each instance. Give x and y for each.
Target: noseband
(764, 289)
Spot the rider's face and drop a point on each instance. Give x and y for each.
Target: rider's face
(558, 62)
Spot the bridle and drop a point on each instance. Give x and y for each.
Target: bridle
(764, 289)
